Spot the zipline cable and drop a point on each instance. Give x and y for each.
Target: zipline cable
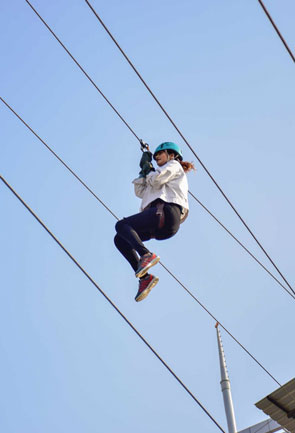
(170, 273)
(112, 304)
(106, 207)
(83, 70)
(240, 243)
(277, 30)
(189, 146)
(59, 158)
(119, 115)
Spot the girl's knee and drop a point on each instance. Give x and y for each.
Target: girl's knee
(162, 235)
(119, 242)
(119, 226)
(116, 240)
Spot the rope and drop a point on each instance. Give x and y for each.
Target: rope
(189, 146)
(113, 305)
(173, 276)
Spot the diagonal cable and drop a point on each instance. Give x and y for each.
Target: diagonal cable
(276, 29)
(189, 146)
(113, 305)
(84, 72)
(59, 159)
(170, 273)
(240, 243)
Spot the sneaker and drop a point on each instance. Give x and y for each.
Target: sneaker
(145, 286)
(145, 263)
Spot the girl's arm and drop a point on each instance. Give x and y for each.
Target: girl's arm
(139, 186)
(163, 175)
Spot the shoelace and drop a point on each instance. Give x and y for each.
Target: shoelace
(146, 260)
(145, 282)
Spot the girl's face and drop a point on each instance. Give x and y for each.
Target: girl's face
(162, 157)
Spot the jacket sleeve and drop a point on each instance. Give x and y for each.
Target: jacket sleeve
(139, 186)
(161, 176)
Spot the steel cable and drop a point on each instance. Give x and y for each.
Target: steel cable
(189, 146)
(277, 30)
(59, 158)
(83, 70)
(110, 211)
(113, 305)
(240, 243)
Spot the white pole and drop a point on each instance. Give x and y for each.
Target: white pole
(225, 387)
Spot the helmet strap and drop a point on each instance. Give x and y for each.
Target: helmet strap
(170, 156)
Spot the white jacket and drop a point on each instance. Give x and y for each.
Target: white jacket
(169, 183)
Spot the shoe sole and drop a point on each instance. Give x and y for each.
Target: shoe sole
(145, 293)
(143, 271)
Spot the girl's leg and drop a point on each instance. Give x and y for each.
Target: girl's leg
(172, 222)
(132, 231)
(127, 251)
(147, 282)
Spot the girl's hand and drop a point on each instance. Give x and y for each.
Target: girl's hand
(146, 157)
(146, 169)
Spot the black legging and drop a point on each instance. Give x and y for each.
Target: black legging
(132, 231)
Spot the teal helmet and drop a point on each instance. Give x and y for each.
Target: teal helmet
(168, 145)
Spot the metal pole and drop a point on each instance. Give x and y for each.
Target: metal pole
(225, 387)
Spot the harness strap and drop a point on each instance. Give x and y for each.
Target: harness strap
(159, 205)
(160, 212)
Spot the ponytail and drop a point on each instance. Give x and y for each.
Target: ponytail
(187, 166)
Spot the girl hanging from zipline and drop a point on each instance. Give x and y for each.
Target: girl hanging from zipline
(164, 207)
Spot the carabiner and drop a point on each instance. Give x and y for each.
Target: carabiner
(143, 146)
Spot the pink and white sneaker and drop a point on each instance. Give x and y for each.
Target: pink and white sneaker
(145, 286)
(145, 263)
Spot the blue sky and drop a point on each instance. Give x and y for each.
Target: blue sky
(68, 361)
